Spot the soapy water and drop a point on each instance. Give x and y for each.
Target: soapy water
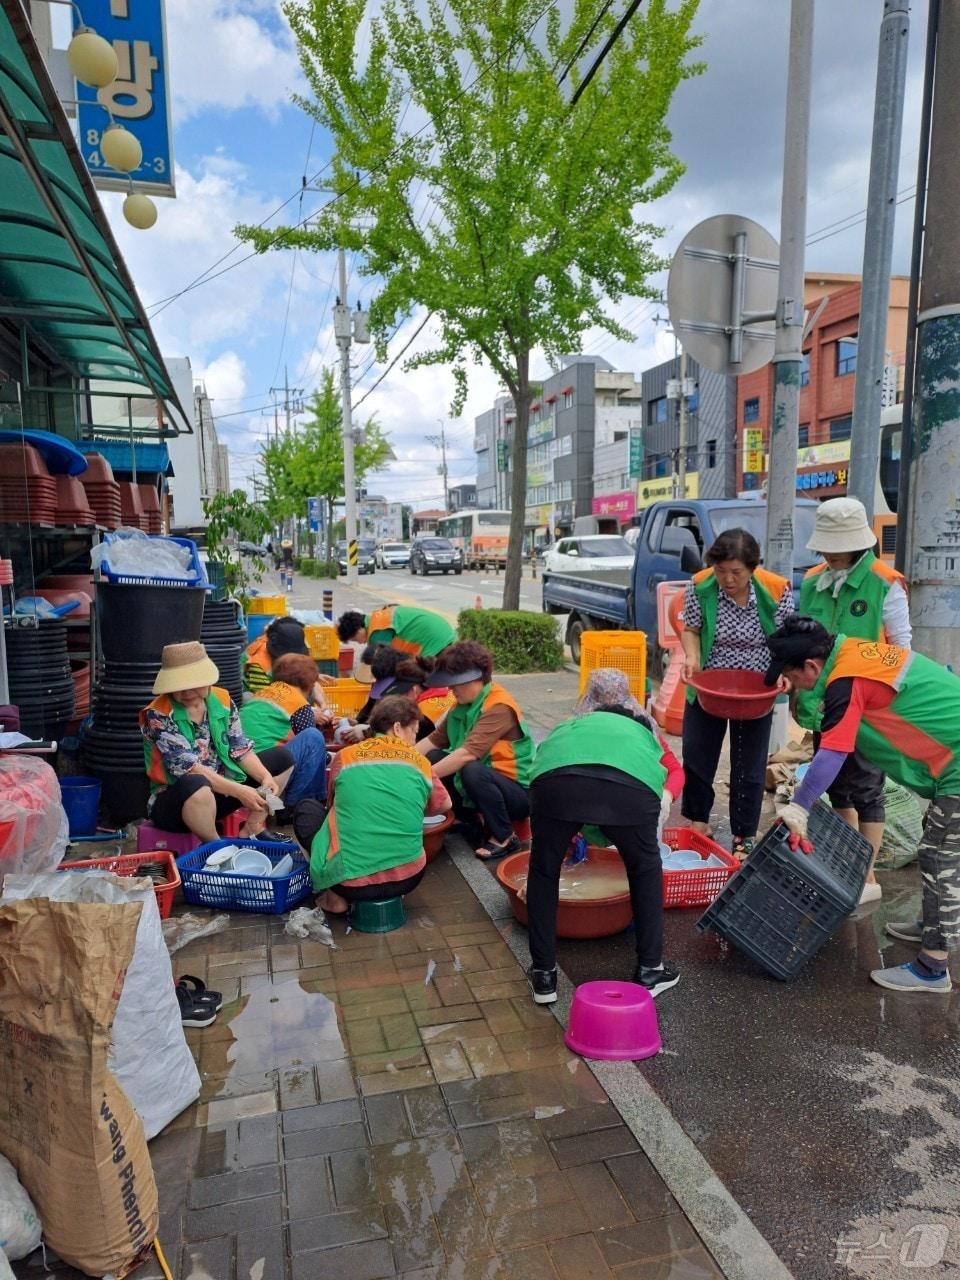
(589, 880)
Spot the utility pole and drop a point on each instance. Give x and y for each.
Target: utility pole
(682, 409)
(292, 404)
(878, 251)
(932, 521)
(788, 353)
(440, 442)
(348, 326)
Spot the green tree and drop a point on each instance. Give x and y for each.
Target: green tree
(310, 464)
(233, 518)
(507, 214)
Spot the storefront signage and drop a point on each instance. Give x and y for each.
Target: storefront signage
(545, 429)
(823, 455)
(636, 452)
(621, 505)
(822, 480)
(649, 491)
(540, 475)
(753, 459)
(138, 99)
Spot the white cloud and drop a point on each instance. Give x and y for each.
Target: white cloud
(225, 378)
(229, 55)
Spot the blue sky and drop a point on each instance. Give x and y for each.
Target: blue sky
(241, 149)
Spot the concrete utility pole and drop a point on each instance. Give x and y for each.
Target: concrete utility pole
(788, 354)
(440, 442)
(682, 408)
(932, 560)
(878, 251)
(343, 328)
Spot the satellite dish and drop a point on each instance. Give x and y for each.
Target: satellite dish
(722, 293)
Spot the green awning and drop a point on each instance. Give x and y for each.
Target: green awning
(63, 283)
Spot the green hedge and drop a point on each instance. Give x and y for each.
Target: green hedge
(519, 641)
(315, 568)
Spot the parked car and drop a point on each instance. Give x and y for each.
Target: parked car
(673, 536)
(393, 555)
(596, 551)
(435, 555)
(366, 552)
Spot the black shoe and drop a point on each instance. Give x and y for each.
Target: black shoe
(656, 980)
(543, 984)
(194, 1013)
(197, 990)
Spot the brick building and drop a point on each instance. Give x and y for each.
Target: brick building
(828, 378)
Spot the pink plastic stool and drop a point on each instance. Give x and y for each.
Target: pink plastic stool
(150, 837)
(612, 1020)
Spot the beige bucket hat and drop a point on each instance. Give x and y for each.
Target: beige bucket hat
(842, 525)
(185, 666)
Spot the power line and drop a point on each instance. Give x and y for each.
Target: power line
(419, 329)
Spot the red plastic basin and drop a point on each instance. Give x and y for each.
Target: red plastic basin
(592, 918)
(734, 695)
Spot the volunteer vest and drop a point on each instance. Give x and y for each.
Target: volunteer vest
(218, 715)
(856, 612)
(413, 631)
(376, 822)
(603, 738)
(512, 759)
(768, 590)
(256, 656)
(916, 739)
(265, 724)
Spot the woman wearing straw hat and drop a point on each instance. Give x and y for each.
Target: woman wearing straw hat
(854, 594)
(200, 762)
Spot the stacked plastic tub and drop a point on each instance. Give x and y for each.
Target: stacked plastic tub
(137, 616)
(224, 638)
(41, 682)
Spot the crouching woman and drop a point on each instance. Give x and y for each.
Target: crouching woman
(369, 846)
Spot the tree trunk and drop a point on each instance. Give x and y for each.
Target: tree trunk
(522, 397)
(329, 529)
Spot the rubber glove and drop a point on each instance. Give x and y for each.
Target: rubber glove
(794, 817)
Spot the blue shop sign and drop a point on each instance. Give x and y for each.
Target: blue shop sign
(138, 99)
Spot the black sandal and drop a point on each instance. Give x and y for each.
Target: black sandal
(496, 851)
(198, 992)
(193, 1012)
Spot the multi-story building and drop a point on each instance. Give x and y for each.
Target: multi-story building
(827, 382)
(711, 438)
(463, 497)
(618, 416)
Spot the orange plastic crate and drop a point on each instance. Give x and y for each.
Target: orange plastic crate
(695, 886)
(267, 604)
(625, 651)
(129, 864)
(323, 642)
(346, 697)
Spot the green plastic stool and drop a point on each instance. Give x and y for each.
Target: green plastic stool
(378, 917)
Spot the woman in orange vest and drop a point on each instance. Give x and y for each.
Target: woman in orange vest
(729, 610)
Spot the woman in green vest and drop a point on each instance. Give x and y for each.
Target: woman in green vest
(281, 715)
(201, 764)
(608, 768)
(854, 593)
(729, 610)
(483, 750)
(369, 846)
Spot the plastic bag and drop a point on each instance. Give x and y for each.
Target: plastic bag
(180, 930)
(33, 826)
(903, 826)
(309, 922)
(6, 1271)
(19, 1224)
(149, 1056)
(133, 552)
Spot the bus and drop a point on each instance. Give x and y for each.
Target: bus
(482, 536)
(888, 483)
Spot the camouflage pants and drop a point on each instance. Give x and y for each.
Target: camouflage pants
(939, 857)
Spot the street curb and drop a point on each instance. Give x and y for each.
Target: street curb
(725, 1229)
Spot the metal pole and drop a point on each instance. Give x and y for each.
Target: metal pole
(781, 479)
(878, 251)
(933, 521)
(913, 301)
(342, 312)
(682, 453)
(443, 457)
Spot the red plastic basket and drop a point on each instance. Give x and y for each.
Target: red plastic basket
(129, 864)
(695, 887)
(733, 695)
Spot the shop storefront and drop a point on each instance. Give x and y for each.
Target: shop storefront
(650, 491)
(619, 506)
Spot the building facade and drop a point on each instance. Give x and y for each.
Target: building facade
(463, 497)
(827, 383)
(711, 437)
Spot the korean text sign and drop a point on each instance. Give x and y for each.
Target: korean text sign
(138, 99)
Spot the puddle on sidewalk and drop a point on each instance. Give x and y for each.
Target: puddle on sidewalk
(275, 1027)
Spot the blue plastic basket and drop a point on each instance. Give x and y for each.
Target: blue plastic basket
(199, 578)
(229, 892)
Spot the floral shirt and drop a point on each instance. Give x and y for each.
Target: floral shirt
(179, 756)
(739, 643)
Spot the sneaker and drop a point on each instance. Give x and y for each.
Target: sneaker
(193, 1012)
(906, 930)
(656, 980)
(543, 984)
(872, 892)
(904, 977)
(742, 848)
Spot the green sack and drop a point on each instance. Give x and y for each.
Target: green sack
(903, 826)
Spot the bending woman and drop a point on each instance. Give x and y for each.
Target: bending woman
(370, 844)
(281, 715)
(199, 760)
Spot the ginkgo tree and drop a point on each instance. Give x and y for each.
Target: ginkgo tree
(475, 191)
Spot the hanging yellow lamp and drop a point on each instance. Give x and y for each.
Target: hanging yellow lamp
(121, 150)
(140, 211)
(92, 59)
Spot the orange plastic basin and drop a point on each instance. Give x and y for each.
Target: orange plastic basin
(734, 695)
(595, 918)
(433, 837)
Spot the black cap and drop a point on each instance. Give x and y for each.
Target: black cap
(286, 635)
(447, 679)
(793, 644)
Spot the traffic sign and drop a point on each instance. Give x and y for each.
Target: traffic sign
(314, 514)
(722, 293)
(636, 452)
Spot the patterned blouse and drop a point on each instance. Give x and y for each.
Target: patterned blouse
(179, 756)
(739, 643)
